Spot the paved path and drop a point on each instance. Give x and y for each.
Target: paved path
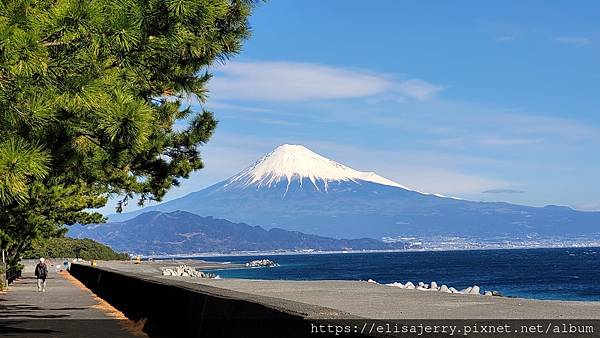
(66, 309)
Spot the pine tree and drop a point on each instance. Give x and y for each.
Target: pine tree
(90, 91)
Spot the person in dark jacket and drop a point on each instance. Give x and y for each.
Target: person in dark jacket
(41, 272)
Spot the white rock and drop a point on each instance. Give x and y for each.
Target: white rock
(396, 284)
(453, 290)
(261, 263)
(434, 286)
(185, 271)
(421, 284)
(467, 290)
(474, 290)
(444, 288)
(409, 285)
(372, 281)
(488, 293)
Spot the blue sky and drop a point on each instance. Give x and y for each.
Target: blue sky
(491, 102)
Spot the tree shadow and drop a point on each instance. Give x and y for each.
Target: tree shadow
(17, 327)
(22, 315)
(29, 311)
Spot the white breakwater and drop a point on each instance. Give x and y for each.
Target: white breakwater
(260, 263)
(187, 271)
(433, 286)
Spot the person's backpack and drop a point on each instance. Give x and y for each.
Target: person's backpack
(40, 271)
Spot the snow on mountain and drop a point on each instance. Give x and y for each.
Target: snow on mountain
(290, 162)
(296, 189)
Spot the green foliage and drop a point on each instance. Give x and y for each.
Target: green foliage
(89, 94)
(65, 247)
(19, 161)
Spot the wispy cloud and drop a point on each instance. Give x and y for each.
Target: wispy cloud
(538, 127)
(507, 141)
(575, 41)
(422, 171)
(276, 122)
(419, 89)
(234, 107)
(486, 141)
(449, 181)
(290, 81)
(589, 206)
(296, 81)
(503, 191)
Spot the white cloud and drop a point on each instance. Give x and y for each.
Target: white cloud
(295, 81)
(222, 105)
(538, 127)
(419, 89)
(506, 141)
(503, 191)
(289, 81)
(422, 171)
(589, 207)
(575, 41)
(447, 182)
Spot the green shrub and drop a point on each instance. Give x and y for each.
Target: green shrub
(62, 247)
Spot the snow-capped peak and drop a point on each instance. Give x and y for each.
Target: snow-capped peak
(291, 161)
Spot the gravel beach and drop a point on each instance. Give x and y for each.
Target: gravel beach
(375, 301)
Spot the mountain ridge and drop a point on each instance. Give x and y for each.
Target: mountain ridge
(181, 232)
(339, 203)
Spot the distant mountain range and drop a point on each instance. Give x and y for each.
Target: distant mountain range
(181, 232)
(296, 189)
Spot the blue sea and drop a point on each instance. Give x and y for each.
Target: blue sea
(561, 274)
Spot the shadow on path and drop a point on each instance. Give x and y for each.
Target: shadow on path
(64, 310)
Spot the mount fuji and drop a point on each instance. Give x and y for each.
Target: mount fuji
(293, 188)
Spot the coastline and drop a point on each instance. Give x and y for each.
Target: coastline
(376, 301)
(560, 274)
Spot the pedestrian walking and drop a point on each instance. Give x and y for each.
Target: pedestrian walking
(41, 272)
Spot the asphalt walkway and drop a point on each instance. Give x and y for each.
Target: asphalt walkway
(66, 309)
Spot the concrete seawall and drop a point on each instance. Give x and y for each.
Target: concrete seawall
(175, 308)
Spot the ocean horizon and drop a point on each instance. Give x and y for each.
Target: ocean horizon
(536, 273)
